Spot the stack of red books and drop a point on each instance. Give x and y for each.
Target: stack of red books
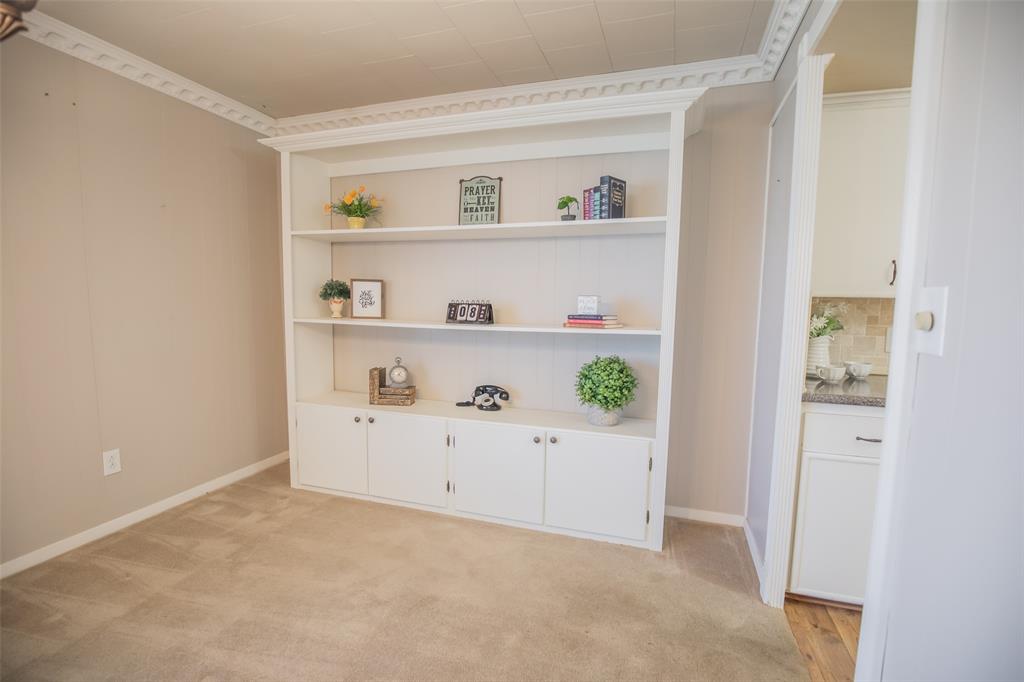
(593, 321)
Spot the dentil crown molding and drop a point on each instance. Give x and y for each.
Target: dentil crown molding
(782, 25)
(87, 47)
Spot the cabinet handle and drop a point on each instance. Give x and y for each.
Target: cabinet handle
(893, 280)
(553, 440)
(536, 439)
(869, 440)
(369, 419)
(358, 420)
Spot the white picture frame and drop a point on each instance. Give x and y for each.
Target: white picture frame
(367, 298)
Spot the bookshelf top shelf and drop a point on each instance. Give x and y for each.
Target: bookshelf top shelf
(654, 225)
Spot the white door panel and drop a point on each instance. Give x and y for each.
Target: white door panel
(407, 457)
(331, 447)
(597, 484)
(499, 471)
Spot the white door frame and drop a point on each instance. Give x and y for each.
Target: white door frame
(929, 49)
(810, 82)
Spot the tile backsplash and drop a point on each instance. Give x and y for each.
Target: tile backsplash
(865, 323)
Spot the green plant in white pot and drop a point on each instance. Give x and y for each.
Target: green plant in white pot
(820, 338)
(335, 292)
(605, 385)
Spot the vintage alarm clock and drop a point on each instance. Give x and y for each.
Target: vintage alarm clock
(398, 376)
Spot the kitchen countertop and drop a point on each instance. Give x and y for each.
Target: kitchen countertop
(870, 392)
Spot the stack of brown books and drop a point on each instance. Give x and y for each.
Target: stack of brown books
(593, 322)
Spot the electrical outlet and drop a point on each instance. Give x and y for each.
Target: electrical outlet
(111, 462)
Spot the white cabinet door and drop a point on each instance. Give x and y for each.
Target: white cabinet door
(408, 457)
(499, 470)
(331, 447)
(597, 484)
(835, 511)
(860, 198)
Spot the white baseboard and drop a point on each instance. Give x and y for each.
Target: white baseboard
(42, 554)
(720, 518)
(754, 558)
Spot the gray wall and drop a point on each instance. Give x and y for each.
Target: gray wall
(141, 297)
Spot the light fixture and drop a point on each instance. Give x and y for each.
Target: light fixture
(10, 16)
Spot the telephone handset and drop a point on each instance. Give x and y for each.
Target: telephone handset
(486, 397)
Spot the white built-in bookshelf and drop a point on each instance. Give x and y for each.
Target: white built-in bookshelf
(531, 267)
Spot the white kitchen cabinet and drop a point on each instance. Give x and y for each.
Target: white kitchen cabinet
(499, 470)
(836, 504)
(331, 447)
(597, 484)
(407, 457)
(862, 161)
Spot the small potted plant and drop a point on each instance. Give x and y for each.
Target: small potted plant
(605, 385)
(820, 337)
(335, 292)
(566, 202)
(356, 206)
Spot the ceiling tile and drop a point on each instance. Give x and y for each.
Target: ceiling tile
(622, 10)
(487, 20)
(408, 18)
(582, 60)
(541, 6)
(361, 45)
(512, 55)
(713, 42)
(408, 76)
(758, 23)
(566, 27)
(521, 76)
(701, 13)
(639, 35)
(643, 60)
(442, 48)
(471, 76)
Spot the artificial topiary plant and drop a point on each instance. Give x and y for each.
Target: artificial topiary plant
(334, 290)
(607, 383)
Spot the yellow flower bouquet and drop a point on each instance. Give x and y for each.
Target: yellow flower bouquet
(356, 204)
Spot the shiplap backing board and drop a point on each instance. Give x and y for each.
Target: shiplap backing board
(529, 191)
(528, 281)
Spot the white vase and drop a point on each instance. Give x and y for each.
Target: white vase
(336, 305)
(818, 354)
(598, 416)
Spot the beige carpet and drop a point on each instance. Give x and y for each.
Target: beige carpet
(258, 581)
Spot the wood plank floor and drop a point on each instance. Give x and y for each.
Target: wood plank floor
(827, 638)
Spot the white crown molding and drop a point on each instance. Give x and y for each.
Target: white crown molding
(87, 47)
(778, 35)
(731, 71)
(782, 26)
(868, 99)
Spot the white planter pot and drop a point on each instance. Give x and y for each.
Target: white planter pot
(818, 354)
(598, 416)
(336, 305)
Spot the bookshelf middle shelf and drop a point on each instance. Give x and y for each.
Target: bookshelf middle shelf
(521, 328)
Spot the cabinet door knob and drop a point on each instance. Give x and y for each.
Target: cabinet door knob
(358, 420)
(369, 419)
(553, 440)
(892, 282)
(869, 440)
(536, 439)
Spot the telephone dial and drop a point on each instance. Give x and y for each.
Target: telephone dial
(486, 397)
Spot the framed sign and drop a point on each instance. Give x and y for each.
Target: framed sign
(367, 298)
(479, 200)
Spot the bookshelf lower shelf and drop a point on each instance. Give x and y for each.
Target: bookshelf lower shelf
(521, 328)
(551, 420)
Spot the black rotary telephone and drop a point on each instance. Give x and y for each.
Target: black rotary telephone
(486, 397)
